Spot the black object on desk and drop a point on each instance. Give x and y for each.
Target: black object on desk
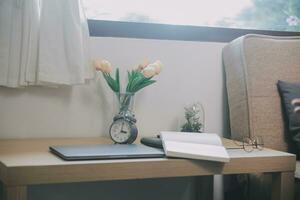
(152, 142)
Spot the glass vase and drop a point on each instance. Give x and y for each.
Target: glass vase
(124, 105)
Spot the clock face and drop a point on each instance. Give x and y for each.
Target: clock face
(122, 131)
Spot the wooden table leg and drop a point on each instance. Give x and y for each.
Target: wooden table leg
(204, 187)
(283, 186)
(15, 193)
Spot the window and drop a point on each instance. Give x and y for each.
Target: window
(279, 15)
(192, 20)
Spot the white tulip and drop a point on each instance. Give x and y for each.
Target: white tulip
(143, 65)
(158, 67)
(149, 71)
(97, 64)
(103, 66)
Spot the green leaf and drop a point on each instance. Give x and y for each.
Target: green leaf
(145, 84)
(129, 75)
(135, 74)
(136, 82)
(132, 78)
(129, 80)
(111, 82)
(118, 79)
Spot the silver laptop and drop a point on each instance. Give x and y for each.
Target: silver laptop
(106, 151)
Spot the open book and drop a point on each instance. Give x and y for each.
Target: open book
(201, 146)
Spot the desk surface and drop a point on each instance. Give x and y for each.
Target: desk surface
(28, 161)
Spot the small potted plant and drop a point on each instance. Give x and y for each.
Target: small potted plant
(194, 118)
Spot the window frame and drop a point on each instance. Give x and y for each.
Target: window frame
(120, 29)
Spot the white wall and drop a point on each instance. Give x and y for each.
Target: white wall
(192, 72)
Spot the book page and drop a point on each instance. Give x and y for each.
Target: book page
(196, 151)
(198, 138)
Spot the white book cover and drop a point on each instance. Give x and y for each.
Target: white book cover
(201, 146)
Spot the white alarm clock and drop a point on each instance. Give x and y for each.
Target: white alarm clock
(123, 130)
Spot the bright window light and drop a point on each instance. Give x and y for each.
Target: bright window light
(282, 15)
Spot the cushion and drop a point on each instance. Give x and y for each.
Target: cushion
(290, 91)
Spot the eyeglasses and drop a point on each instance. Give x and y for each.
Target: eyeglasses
(249, 144)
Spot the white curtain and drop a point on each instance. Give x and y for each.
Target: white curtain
(43, 42)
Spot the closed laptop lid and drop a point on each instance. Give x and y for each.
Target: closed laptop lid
(106, 151)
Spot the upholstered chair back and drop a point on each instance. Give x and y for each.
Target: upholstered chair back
(253, 65)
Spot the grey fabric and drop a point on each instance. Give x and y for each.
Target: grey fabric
(253, 65)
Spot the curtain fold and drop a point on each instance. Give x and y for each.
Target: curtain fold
(43, 42)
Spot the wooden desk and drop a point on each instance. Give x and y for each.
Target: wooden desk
(28, 162)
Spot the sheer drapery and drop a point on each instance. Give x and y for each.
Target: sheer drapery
(43, 42)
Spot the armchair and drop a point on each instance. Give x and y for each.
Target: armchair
(253, 65)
